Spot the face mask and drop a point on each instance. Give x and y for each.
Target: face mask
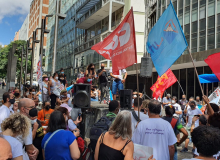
(192, 106)
(56, 78)
(89, 80)
(33, 92)
(33, 121)
(102, 67)
(16, 94)
(183, 98)
(173, 101)
(92, 69)
(46, 79)
(47, 107)
(12, 101)
(62, 72)
(142, 110)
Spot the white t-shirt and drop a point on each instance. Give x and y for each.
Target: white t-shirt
(134, 122)
(190, 114)
(71, 125)
(16, 146)
(156, 133)
(177, 108)
(120, 73)
(190, 159)
(4, 113)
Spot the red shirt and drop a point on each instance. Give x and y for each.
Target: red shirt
(83, 81)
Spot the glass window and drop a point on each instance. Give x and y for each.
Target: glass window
(180, 4)
(202, 41)
(187, 2)
(202, 13)
(194, 27)
(202, 24)
(194, 43)
(195, 5)
(187, 29)
(93, 31)
(98, 28)
(187, 9)
(194, 15)
(190, 84)
(202, 2)
(113, 19)
(197, 87)
(218, 38)
(211, 39)
(218, 19)
(211, 22)
(105, 24)
(211, 9)
(186, 18)
(175, 6)
(218, 6)
(181, 19)
(183, 80)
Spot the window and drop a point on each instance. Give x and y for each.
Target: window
(211, 22)
(194, 27)
(181, 20)
(186, 18)
(194, 15)
(218, 6)
(202, 24)
(187, 29)
(175, 6)
(202, 13)
(211, 9)
(105, 24)
(187, 2)
(98, 28)
(180, 7)
(202, 2)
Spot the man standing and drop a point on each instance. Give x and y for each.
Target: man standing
(8, 99)
(166, 100)
(183, 102)
(103, 82)
(156, 133)
(29, 151)
(118, 82)
(134, 114)
(198, 102)
(178, 110)
(191, 112)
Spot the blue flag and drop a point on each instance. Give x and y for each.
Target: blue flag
(166, 41)
(208, 78)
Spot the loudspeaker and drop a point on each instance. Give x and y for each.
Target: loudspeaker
(126, 98)
(82, 95)
(146, 67)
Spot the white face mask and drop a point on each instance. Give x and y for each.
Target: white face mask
(173, 101)
(33, 92)
(56, 78)
(33, 121)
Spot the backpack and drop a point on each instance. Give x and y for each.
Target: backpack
(98, 128)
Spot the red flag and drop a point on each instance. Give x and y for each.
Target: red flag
(213, 62)
(120, 45)
(163, 82)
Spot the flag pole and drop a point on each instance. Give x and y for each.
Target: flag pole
(138, 90)
(180, 86)
(196, 71)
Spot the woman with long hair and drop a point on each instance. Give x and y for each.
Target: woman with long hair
(13, 126)
(91, 70)
(116, 144)
(59, 143)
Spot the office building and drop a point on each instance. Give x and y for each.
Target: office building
(16, 36)
(23, 32)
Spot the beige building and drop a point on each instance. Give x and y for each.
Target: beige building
(16, 36)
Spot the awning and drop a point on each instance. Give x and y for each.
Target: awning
(208, 78)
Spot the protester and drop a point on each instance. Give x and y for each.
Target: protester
(62, 73)
(166, 100)
(45, 88)
(198, 102)
(8, 100)
(183, 102)
(52, 89)
(85, 80)
(63, 97)
(178, 110)
(37, 132)
(15, 108)
(5, 148)
(207, 141)
(44, 114)
(145, 105)
(13, 126)
(118, 82)
(156, 133)
(177, 127)
(58, 139)
(33, 96)
(80, 75)
(191, 112)
(102, 73)
(94, 94)
(134, 114)
(75, 112)
(25, 105)
(91, 70)
(116, 143)
(62, 80)
(17, 94)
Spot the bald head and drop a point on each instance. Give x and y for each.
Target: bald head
(5, 149)
(25, 105)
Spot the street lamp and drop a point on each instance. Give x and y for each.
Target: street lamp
(58, 16)
(26, 62)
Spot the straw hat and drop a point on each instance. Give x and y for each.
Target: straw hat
(44, 76)
(63, 91)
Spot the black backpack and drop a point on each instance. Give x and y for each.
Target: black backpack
(101, 126)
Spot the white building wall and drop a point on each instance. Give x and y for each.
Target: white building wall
(23, 33)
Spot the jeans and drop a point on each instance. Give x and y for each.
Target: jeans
(117, 85)
(104, 90)
(175, 156)
(180, 117)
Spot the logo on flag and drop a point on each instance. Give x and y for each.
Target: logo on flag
(166, 41)
(120, 45)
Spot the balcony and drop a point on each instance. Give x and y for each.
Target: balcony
(94, 11)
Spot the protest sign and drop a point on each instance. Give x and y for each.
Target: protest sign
(215, 96)
(142, 152)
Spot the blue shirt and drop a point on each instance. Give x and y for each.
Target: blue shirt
(58, 146)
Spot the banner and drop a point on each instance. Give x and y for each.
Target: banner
(120, 45)
(39, 73)
(142, 152)
(162, 83)
(213, 62)
(166, 41)
(208, 78)
(215, 96)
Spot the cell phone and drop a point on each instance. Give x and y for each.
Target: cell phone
(197, 115)
(79, 115)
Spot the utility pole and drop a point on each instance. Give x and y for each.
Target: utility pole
(58, 16)
(26, 63)
(21, 71)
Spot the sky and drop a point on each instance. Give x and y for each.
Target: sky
(12, 16)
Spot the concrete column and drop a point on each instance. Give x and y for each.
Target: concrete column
(110, 17)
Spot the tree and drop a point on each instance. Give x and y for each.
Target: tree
(4, 58)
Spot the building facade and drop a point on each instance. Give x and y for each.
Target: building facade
(38, 11)
(87, 23)
(200, 21)
(23, 32)
(16, 36)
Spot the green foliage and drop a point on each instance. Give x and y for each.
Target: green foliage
(4, 58)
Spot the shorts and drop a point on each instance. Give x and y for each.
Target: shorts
(117, 85)
(188, 129)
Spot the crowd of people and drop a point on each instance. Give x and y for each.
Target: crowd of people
(51, 130)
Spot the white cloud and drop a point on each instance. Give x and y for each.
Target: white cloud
(1, 44)
(14, 7)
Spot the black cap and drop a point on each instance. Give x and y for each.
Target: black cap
(33, 112)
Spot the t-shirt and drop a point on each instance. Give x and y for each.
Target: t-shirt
(75, 112)
(103, 77)
(16, 146)
(134, 122)
(190, 114)
(177, 108)
(58, 145)
(71, 125)
(44, 115)
(120, 73)
(216, 156)
(156, 133)
(38, 139)
(83, 81)
(80, 75)
(4, 113)
(165, 100)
